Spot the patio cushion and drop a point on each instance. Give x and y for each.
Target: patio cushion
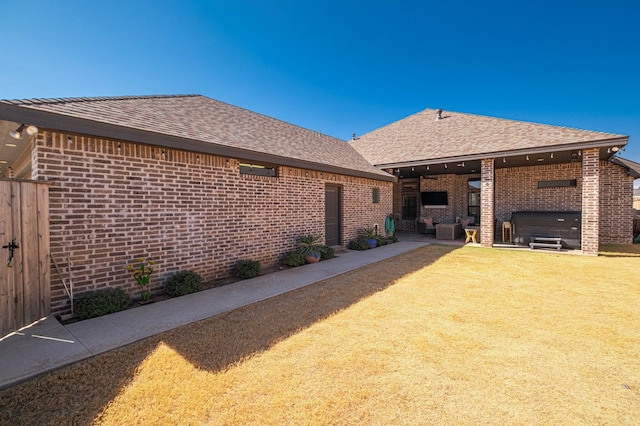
(467, 221)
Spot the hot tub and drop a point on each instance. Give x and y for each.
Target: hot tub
(565, 225)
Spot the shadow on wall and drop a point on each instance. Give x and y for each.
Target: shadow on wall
(615, 250)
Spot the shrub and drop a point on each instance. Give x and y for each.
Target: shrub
(367, 233)
(309, 245)
(246, 269)
(183, 282)
(327, 253)
(359, 244)
(382, 241)
(100, 302)
(141, 272)
(293, 258)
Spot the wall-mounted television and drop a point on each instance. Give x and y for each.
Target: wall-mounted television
(434, 198)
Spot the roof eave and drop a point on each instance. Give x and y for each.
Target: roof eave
(602, 143)
(632, 167)
(49, 120)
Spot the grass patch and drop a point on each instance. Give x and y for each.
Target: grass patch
(436, 336)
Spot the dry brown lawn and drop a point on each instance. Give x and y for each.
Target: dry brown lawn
(439, 335)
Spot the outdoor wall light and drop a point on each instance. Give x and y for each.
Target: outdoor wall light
(613, 149)
(17, 134)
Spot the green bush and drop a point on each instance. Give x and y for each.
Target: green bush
(359, 244)
(327, 253)
(100, 302)
(367, 233)
(183, 282)
(293, 258)
(309, 245)
(382, 241)
(246, 269)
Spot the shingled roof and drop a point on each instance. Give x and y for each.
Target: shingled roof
(457, 135)
(197, 123)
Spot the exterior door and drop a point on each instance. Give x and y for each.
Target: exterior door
(333, 214)
(409, 205)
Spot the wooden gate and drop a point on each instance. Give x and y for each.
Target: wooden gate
(24, 257)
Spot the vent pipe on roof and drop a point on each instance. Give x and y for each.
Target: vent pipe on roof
(438, 114)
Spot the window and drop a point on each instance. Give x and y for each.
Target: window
(473, 206)
(409, 186)
(409, 206)
(557, 183)
(375, 194)
(474, 184)
(258, 170)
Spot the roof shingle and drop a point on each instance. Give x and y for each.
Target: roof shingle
(206, 120)
(422, 137)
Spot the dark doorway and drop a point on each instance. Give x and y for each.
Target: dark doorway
(332, 214)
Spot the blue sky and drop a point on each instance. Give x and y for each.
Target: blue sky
(339, 66)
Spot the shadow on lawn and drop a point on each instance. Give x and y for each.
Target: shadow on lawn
(78, 393)
(216, 343)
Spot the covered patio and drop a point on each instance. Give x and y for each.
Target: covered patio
(453, 166)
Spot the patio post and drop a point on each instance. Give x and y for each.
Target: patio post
(487, 212)
(590, 201)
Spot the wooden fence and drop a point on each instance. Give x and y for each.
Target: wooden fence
(24, 257)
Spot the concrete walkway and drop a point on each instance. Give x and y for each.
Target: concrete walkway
(47, 345)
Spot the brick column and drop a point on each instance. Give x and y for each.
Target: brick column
(590, 200)
(487, 191)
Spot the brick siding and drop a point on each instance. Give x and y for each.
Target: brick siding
(487, 202)
(590, 201)
(517, 189)
(616, 205)
(113, 201)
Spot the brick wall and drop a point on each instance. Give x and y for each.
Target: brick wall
(517, 189)
(590, 201)
(112, 202)
(487, 201)
(616, 205)
(449, 183)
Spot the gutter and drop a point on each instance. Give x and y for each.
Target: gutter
(602, 143)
